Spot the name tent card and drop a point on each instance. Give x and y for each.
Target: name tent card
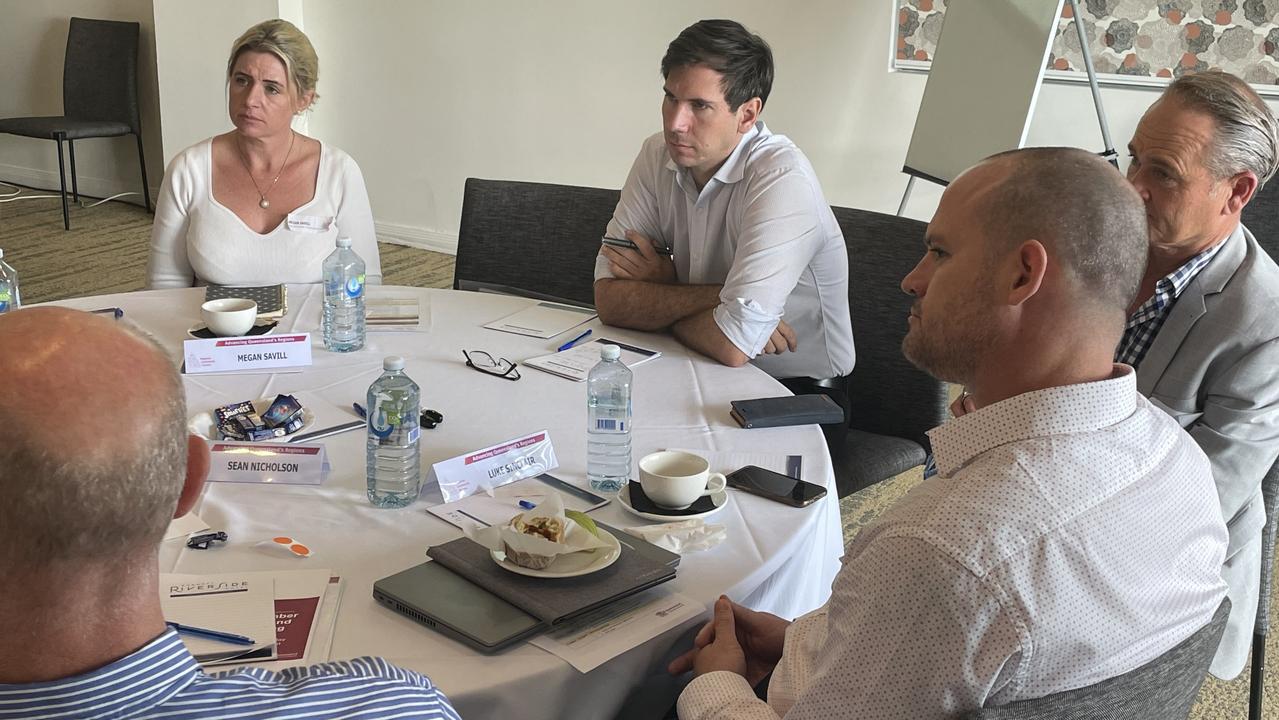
(247, 353)
(273, 463)
(495, 466)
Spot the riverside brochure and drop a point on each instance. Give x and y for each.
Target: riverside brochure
(576, 362)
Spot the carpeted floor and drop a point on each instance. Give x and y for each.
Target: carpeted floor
(106, 252)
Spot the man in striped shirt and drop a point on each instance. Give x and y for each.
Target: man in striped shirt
(94, 461)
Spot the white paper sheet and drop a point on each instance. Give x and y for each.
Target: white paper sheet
(543, 320)
(184, 526)
(576, 363)
(599, 636)
(480, 510)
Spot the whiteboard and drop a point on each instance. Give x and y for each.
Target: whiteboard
(983, 84)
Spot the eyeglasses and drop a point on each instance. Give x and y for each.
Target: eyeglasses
(485, 363)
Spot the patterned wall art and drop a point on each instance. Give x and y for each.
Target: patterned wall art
(1132, 42)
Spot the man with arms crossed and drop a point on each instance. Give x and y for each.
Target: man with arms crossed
(94, 461)
(756, 268)
(1071, 534)
(1203, 331)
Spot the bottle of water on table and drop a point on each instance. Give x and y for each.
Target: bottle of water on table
(10, 298)
(608, 430)
(343, 322)
(394, 468)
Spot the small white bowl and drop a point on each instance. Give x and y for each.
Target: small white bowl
(229, 317)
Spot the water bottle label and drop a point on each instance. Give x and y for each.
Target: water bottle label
(610, 425)
(4, 300)
(355, 286)
(414, 435)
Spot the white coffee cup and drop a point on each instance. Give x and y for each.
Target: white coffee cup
(674, 480)
(229, 317)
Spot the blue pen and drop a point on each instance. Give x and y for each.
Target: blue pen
(527, 505)
(359, 410)
(115, 312)
(574, 341)
(212, 634)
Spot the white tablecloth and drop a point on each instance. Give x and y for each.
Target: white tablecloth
(776, 558)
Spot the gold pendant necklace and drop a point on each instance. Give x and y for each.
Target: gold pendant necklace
(263, 202)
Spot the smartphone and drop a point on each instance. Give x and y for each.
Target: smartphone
(775, 486)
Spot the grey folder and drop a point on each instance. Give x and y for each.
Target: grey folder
(554, 600)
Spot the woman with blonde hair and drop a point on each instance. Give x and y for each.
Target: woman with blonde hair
(261, 204)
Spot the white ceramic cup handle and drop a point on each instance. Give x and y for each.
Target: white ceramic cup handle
(715, 482)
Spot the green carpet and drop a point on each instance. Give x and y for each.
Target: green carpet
(106, 252)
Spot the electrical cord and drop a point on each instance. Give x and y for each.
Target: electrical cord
(17, 195)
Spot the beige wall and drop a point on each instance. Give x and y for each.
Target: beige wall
(425, 93)
(33, 41)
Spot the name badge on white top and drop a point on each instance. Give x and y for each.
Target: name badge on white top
(308, 223)
(247, 353)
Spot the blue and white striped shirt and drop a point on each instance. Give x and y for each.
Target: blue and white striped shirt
(162, 680)
(1144, 324)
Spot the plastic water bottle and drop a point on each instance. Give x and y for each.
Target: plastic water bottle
(608, 429)
(343, 324)
(10, 298)
(394, 469)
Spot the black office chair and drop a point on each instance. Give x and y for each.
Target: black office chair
(1261, 216)
(532, 239)
(99, 97)
(1163, 689)
(892, 403)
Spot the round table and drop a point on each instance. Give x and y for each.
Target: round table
(776, 558)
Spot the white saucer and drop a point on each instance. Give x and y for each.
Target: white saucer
(204, 424)
(720, 499)
(257, 329)
(570, 564)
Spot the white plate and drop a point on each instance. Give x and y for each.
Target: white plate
(720, 499)
(570, 564)
(270, 324)
(204, 425)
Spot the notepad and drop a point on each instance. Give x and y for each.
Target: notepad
(576, 362)
(543, 320)
(239, 603)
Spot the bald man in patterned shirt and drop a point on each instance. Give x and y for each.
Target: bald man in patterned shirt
(1072, 532)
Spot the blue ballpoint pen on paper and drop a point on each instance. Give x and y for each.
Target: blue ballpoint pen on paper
(574, 341)
(525, 504)
(212, 634)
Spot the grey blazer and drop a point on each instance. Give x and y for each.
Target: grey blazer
(1214, 366)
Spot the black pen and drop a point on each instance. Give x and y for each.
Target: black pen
(622, 243)
(115, 311)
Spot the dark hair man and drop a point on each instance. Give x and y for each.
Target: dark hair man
(737, 251)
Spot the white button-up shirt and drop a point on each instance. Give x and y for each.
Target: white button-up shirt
(763, 229)
(1072, 535)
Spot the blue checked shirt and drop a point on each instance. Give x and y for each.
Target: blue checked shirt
(1143, 325)
(162, 680)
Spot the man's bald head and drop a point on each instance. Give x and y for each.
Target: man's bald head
(1081, 208)
(92, 439)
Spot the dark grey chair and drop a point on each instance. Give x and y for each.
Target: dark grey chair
(1260, 630)
(1163, 689)
(532, 239)
(1261, 216)
(99, 97)
(892, 403)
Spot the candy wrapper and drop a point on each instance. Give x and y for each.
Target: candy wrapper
(534, 538)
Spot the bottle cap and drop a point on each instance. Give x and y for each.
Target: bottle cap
(344, 242)
(610, 352)
(393, 362)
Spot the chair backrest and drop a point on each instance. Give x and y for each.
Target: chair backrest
(1261, 216)
(1163, 689)
(887, 394)
(532, 239)
(100, 72)
(1270, 495)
